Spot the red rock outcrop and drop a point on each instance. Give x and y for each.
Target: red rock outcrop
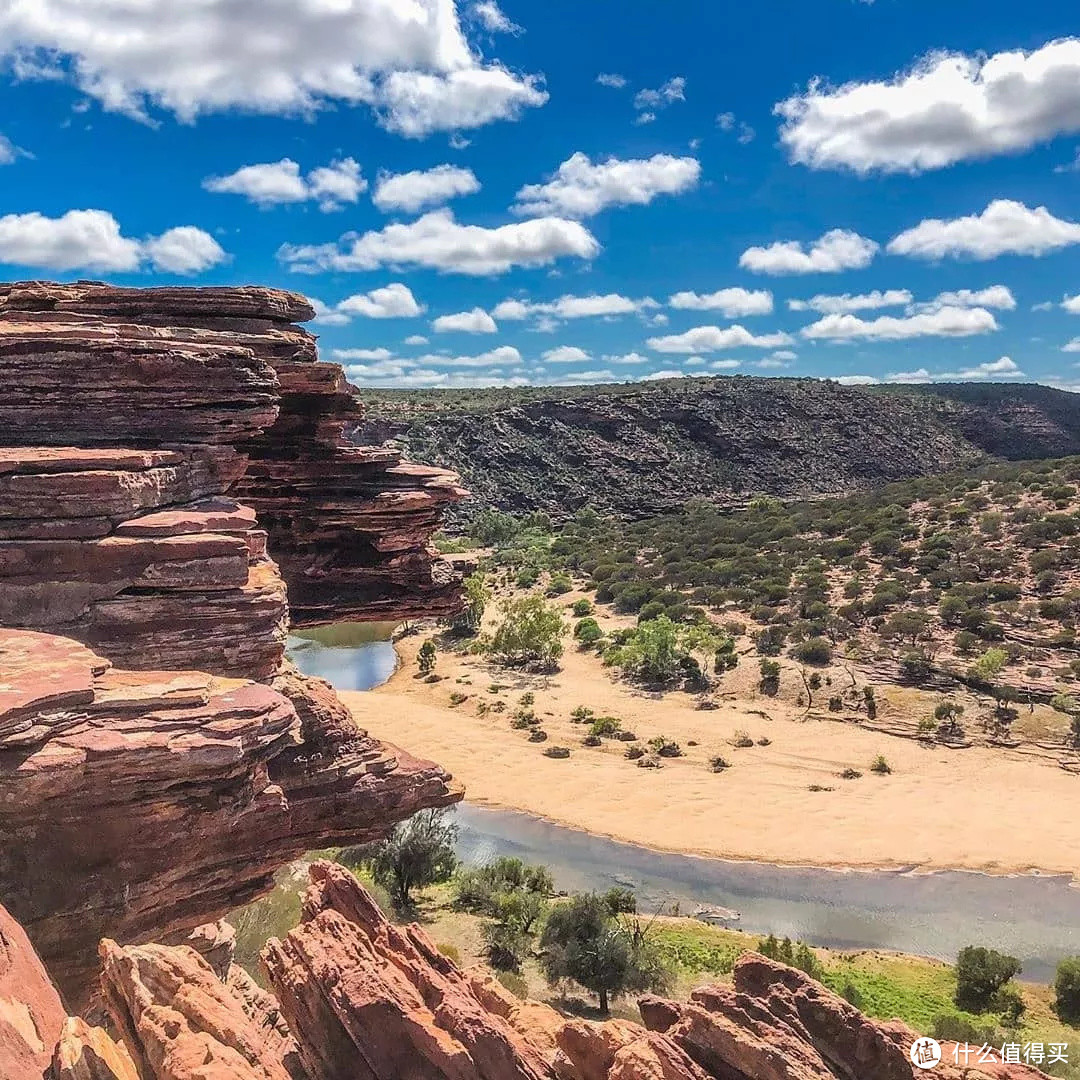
(349, 525)
(128, 420)
(31, 1014)
(359, 998)
(139, 804)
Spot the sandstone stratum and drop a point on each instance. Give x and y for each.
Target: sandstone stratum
(355, 997)
(177, 487)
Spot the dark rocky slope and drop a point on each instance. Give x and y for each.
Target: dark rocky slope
(639, 449)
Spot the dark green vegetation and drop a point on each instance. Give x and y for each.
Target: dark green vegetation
(641, 449)
(966, 583)
(417, 853)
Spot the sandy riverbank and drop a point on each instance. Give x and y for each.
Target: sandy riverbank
(990, 810)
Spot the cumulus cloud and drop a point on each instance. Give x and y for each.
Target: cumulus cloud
(1005, 227)
(92, 240)
(410, 62)
(1072, 346)
(413, 191)
(855, 380)
(731, 303)
(477, 321)
(993, 296)
(945, 322)
(565, 354)
(274, 183)
(394, 301)
(630, 358)
(713, 339)
(346, 356)
(838, 249)
(573, 307)
(580, 189)
(503, 356)
(673, 90)
(726, 122)
(1071, 304)
(416, 339)
(838, 305)
(1004, 368)
(436, 241)
(616, 82)
(184, 250)
(950, 107)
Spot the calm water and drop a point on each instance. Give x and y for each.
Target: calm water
(1035, 918)
(352, 656)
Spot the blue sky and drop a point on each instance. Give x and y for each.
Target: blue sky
(499, 193)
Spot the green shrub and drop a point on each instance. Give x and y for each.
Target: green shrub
(814, 650)
(880, 766)
(980, 975)
(1067, 990)
(581, 608)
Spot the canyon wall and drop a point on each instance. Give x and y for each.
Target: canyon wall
(175, 486)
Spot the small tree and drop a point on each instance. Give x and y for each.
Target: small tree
(584, 942)
(477, 596)
(815, 650)
(980, 976)
(770, 677)
(417, 853)
(426, 657)
(588, 632)
(948, 714)
(1067, 990)
(531, 633)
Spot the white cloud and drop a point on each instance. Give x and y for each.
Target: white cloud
(573, 307)
(713, 339)
(503, 356)
(565, 354)
(920, 375)
(493, 18)
(993, 296)
(948, 108)
(477, 321)
(725, 121)
(645, 118)
(409, 61)
(666, 373)
(627, 359)
(10, 153)
(673, 90)
(731, 303)
(346, 356)
(580, 189)
(337, 183)
(1005, 227)
(185, 250)
(436, 241)
(616, 82)
(381, 369)
(416, 339)
(274, 183)
(92, 240)
(413, 191)
(1004, 368)
(585, 378)
(1072, 346)
(855, 380)
(1071, 304)
(945, 322)
(830, 305)
(838, 249)
(724, 365)
(394, 301)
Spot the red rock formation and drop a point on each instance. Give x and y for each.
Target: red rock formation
(137, 804)
(31, 1014)
(348, 525)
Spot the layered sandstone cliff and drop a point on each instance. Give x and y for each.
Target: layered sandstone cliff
(93, 365)
(159, 760)
(357, 998)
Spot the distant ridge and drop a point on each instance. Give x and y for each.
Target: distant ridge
(643, 448)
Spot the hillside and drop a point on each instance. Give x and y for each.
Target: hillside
(641, 449)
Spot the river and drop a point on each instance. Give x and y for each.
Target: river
(1036, 919)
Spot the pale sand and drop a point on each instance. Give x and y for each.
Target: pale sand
(978, 809)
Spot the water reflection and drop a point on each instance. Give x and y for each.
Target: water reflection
(1036, 919)
(351, 656)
